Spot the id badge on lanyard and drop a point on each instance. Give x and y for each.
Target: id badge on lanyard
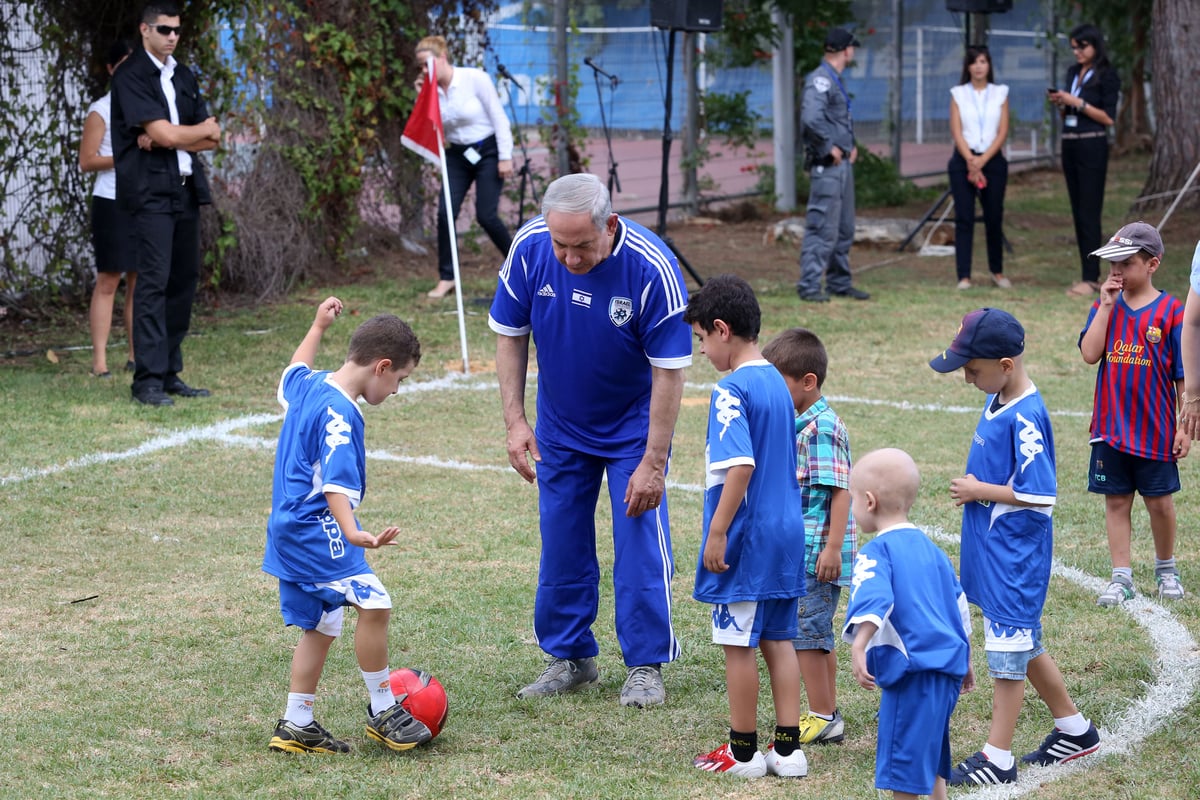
(1072, 119)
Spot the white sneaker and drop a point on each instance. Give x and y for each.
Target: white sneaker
(793, 766)
(722, 760)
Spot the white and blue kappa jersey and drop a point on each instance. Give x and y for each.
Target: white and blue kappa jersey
(1007, 549)
(597, 334)
(320, 450)
(905, 585)
(751, 420)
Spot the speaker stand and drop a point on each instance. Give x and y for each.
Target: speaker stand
(664, 185)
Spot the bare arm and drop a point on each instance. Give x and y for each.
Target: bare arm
(193, 138)
(1091, 345)
(339, 506)
(969, 489)
(327, 312)
(90, 159)
(733, 492)
(1189, 409)
(649, 480)
(858, 654)
(512, 363)
(829, 560)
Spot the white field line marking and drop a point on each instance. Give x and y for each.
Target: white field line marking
(1178, 674)
(1178, 657)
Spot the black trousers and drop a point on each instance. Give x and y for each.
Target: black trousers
(991, 197)
(1085, 166)
(461, 173)
(168, 267)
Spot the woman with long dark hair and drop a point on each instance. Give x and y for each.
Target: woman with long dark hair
(1088, 106)
(979, 125)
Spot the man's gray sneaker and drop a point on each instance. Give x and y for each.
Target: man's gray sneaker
(562, 675)
(643, 688)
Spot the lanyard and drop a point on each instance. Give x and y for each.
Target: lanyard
(1077, 84)
(838, 79)
(981, 110)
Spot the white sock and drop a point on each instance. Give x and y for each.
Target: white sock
(1074, 725)
(1003, 759)
(299, 709)
(379, 687)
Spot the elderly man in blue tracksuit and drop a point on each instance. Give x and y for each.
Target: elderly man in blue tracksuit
(830, 153)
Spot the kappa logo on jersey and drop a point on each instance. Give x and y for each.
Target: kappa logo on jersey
(821, 83)
(335, 432)
(333, 532)
(1153, 334)
(727, 409)
(546, 291)
(581, 298)
(723, 619)
(863, 572)
(620, 310)
(1031, 441)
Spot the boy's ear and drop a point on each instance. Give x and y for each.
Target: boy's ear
(382, 366)
(872, 501)
(1007, 364)
(721, 329)
(809, 382)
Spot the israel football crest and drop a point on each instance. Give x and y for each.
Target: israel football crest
(620, 310)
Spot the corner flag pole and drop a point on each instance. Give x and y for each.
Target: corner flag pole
(458, 294)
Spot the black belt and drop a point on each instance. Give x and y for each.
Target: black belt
(476, 145)
(1088, 135)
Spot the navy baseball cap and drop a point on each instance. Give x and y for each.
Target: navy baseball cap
(838, 39)
(1132, 238)
(984, 333)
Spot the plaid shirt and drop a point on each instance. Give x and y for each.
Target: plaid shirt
(823, 464)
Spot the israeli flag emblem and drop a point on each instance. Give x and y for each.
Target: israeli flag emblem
(620, 310)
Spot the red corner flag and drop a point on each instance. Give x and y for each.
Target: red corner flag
(423, 133)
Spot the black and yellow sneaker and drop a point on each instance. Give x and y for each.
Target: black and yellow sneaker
(396, 728)
(291, 738)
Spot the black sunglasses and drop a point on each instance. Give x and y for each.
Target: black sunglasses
(167, 30)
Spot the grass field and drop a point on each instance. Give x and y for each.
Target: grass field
(141, 648)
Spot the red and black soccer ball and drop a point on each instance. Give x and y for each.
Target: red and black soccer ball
(422, 695)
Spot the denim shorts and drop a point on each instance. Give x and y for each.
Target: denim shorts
(816, 615)
(1007, 664)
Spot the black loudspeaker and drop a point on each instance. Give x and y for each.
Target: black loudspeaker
(979, 6)
(686, 15)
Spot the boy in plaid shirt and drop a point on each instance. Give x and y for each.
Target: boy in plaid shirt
(830, 535)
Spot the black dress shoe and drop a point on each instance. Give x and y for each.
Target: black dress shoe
(183, 390)
(152, 396)
(814, 297)
(853, 294)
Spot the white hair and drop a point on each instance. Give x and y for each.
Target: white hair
(580, 193)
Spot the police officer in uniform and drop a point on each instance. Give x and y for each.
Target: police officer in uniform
(829, 153)
(162, 186)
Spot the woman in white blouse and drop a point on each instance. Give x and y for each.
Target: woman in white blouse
(979, 125)
(112, 231)
(478, 150)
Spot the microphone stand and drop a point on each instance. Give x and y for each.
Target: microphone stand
(664, 183)
(613, 179)
(526, 177)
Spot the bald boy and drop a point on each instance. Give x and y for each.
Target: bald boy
(908, 626)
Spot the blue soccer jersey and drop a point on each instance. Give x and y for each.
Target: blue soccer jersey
(905, 585)
(320, 450)
(751, 421)
(1007, 549)
(1135, 404)
(597, 334)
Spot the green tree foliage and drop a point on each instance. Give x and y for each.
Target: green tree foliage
(312, 100)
